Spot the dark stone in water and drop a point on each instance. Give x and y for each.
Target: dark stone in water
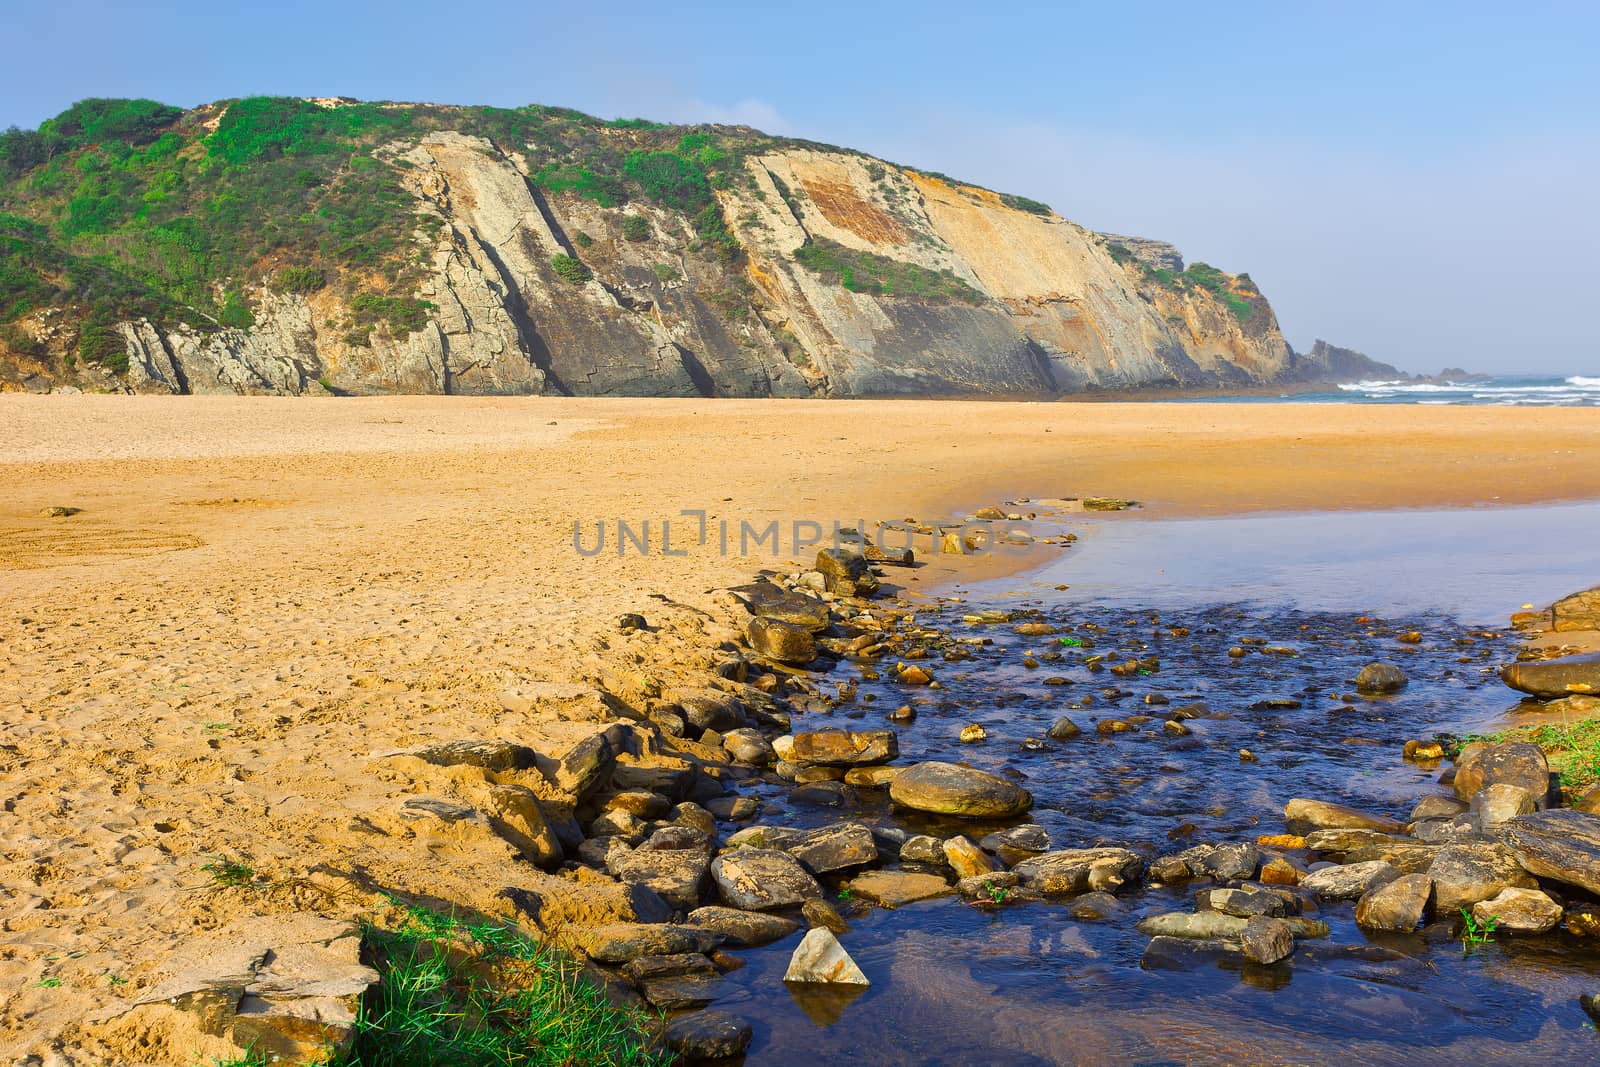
(708, 1035)
(1552, 678)
(1380, 678)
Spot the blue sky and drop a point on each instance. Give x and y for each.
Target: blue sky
(1414, 180)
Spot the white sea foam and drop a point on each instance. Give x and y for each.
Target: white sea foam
(1576, 390)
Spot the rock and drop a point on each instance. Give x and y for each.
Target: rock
(1589, 801)
(1017, 843)
(1347, 840)
(782, 642)
(708, 709)
(1064, 729)
(820, 958)
(768, 601)
(1407, 857)
(967, 859)
(844, 748)
(950, 789)
(1280, 870)
(912, 675)
(673, 863)
(1423, 751)
(640, 803)
(1243, 902)
(820, 913)
(1091, 907)
(1169, 870)
(973, 733)
(1224, 862)
(1494, 804)
(1552, 678)
(745, 929)
(904, 713)
(1266, 940)
(1397, 906)
(586, 766)
(1214, 924)
(515, 815)
(1380, 678)
(870, 777)
(1459, 830)
(894, 889)
(1580, 611)
(748, 746)
(835, 848)
(761, 836)
(283, 987)
(1165, 953)
(1078, 869)
(1465, 874)
(920, 848)
(631, 621)
(57, 511)
(1519, 911)
(1507, 763)
(1350, 881)
(707, 1035)
(418, 809)
(1561, 844)
(846, 572)
(1437, 807)
(645, 968)
(762, 879)
(621, 942)
(490, 755)
(1303, 816)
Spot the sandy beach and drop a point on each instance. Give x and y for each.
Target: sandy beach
(258, 596)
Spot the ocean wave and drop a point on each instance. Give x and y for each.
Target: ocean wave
(1574, 391)
(1587, 383)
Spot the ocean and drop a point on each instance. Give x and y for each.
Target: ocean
(1502, 391)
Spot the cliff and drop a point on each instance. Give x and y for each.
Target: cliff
(290, 246)
(1330, 363)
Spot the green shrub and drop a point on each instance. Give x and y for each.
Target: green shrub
(583, 240)
(669, 179)
(867, 272)
(666, 272)
(98, 119)
(402, 314)
(1022, 203)
(302, 279)
(99, 342)
(715, 235)
(570, 270)
(235, 312)
(603, 189)
(635, 228)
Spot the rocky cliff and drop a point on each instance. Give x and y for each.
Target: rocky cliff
(419, 249)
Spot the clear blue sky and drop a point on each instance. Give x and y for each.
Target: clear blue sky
(1417, 181)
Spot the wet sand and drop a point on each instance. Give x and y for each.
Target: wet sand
(259, 594)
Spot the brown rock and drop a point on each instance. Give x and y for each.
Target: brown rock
(1396, 906)
(1509, 762)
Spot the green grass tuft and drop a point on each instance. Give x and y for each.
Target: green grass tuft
(481, 994)
(867, 272)
(1572, 748)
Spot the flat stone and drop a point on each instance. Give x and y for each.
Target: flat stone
(1397, 906)
(744, 929)
(621, 942)
(1519, 911)
(1214, 924)
(1561, 844)
(895, 889)
(1580, 611)
(677, 875)
(1242, 902)
(844, 748)
(1437, 807)
(1350, 881)
(1465, 874)
(1302, 816)
(820, 958)
(870, 777)
(1407, 857)
(1552, 678)
(490, 755)
(950, 789)
(762, 879)
(1079, 869)
(835, 848)
(1516, 763)
(1229, 862)
(707, 1035)
(1348, 840)
(768, 601)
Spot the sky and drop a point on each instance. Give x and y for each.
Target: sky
(1417, 181)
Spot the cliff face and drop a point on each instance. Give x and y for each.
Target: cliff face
(832, 274)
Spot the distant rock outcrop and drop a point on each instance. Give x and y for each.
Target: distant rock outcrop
(1330, 363)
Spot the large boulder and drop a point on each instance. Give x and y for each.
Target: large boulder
(622, 942)
(758, 879)
(844, 748)
(1552, 678)
(515, 815)
(835, 848)
(703, 1036)
(1562, 845)
(846, 572)
(1303, 816)
(1518, 763)
(1397, 906)
(951, 789)
(745, 929)
(1465, 874)
(768, 601)
(1078, 869)
(673, 863)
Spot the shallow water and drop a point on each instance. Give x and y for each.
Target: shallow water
(1323, 594)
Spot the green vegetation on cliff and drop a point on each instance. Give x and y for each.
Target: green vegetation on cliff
(865, 272)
